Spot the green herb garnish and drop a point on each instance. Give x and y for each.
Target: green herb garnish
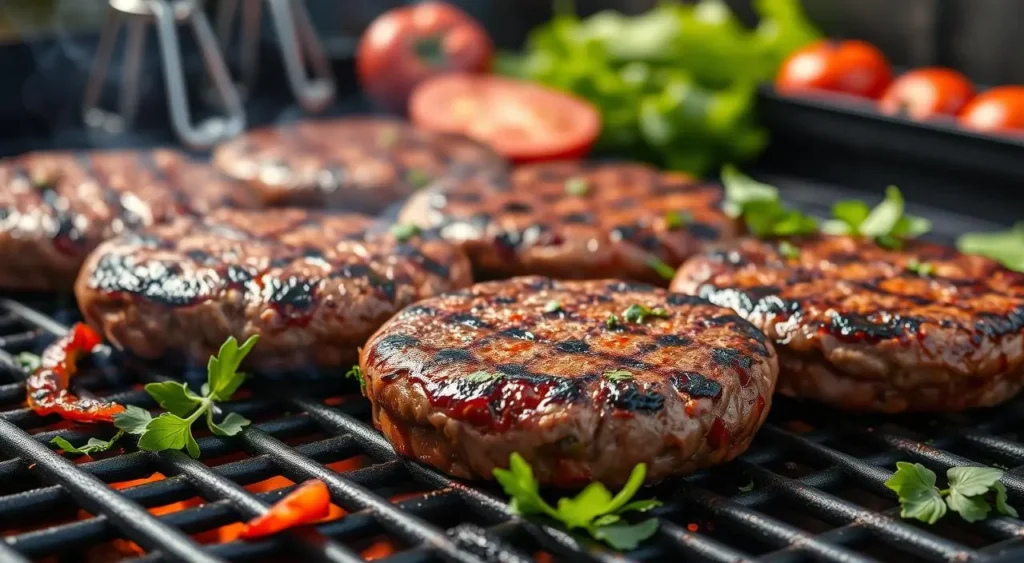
(748, 487)
(172, 430)
(664, 270)
(789, 250)
(637, 313)
(356, 372)
(404, 231)
(676, 220)
(618, 375)
(923, 269)
(28, 361)
(886, 222)
(760, 207)
(94, 445)
(594, 509)
(576, 186)
(970, 490)
(552, 306)
(612, 322)
(483, 377)
(418, 178)
(1006, 247)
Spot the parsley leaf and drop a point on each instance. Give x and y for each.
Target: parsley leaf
(174, 397)
(612, 322)
(968, 493)
(418, 178)
(637, 313)
(760, 207)
(658, 265)
(28, 361)
(482, 377)
(166, 432)
(404, 231)
(594, 509)
(132, 419)
(222, 372)
(1006, 247)
(576, 186)
(94, 445)
(232, 424)
(356, 373)
(789, 250)
(552, 306)
(677, 220)
(886, 222)
(618, 375)
(923, 269)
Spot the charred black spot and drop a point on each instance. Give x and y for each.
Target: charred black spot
(291, 292)
(239, 275)
(540, 284)
(311, 252)
(672, 340)
(630, 287)
(467, 320)
(518, 370)
(383, 285)
(155, 281)
(573, 347)
(517, 207)
(738, 323)
(281, 261)
(649, 242)
(624, 232)
(754, 300)
(502, 300)
(727, 257)
(452, 356)
(702, 231)
(624, 203)
(861, 327)
(695, 384)
(630, 397)
(681, 299)
(727, 357)
(418, 311)
(581, 218)
(480, 220)
(994, 326)
(517, 333)
(393, 343)
(199, 256)
(428, 264)
(634, 364)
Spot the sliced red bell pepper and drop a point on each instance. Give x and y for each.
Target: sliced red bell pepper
(47, 388)
(310, 502)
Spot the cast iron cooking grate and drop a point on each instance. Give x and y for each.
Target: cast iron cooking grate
(816, 478)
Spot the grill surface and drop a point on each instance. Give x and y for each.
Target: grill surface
(817, 478)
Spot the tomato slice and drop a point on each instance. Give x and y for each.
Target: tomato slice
(521, 120)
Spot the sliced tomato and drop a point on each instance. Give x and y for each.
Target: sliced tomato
(523, 121)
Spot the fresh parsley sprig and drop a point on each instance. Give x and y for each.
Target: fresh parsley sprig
(761, 208)
(969, 493)
(28, 361)
(357, 373)
(594, 509)
(887, 222)
(94, 445)
(638, 313)
(1006, 247)
(172, 430)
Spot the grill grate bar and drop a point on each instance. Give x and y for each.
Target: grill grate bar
(98, 498)
(409, 528)
(214, 486)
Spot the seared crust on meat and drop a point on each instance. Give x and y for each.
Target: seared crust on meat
(55, 207)
(869, 329)
(572, 220)
(354, 164)
(312, 286)
(463, 380)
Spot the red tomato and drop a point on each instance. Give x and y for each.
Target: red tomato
(309, 502)
(998, 109)
(407, 45)
(523, 121)
(851, 67)
(927, 92)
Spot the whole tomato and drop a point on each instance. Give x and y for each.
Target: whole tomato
(927, 92)
(407, 45)
(852, 67)
(997, 110)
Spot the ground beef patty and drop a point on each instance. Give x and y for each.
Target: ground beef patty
(313, 286)
(574, 220)
(924, 328)
(55, 207)
(355, 164)
(561, 373)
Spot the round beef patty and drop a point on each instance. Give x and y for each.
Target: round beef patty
(574, 220)
(312, 286)
(857, 326)
(355, 164)
(584, 379)
(55, 207)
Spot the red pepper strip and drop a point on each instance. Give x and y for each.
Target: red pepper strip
(48, 386)
(308, 503)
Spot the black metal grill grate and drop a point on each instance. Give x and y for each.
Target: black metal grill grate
(817, 485)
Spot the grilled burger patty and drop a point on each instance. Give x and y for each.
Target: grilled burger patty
(55, 207)
(535, 366)
(574, 220)
(924, 328)
(355, 164)
(312, 286)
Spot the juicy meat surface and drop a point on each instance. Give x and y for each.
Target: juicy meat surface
(924, 328)
(572, 220)
(55, 207)
(535, 366)
(355, 164)
(312, 286)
